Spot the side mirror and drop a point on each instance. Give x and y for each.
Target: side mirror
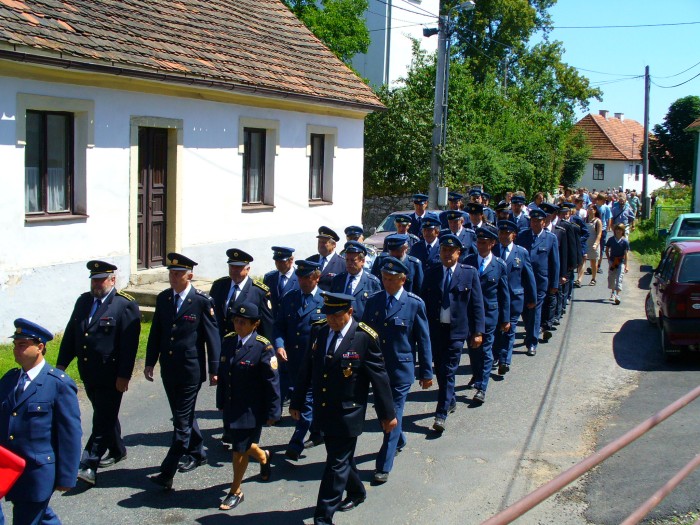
(372, 230)
(663, 233)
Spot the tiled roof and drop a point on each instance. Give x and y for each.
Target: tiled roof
(694, 125)
(613, 138)
(248, 44)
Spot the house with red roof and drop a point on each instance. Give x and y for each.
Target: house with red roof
(616, 153)
(132, 129)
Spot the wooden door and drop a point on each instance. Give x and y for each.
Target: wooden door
(153, 169)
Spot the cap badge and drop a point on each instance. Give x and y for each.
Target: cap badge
(97, 265)
(174, 261)
(18, 331)
(242, 310)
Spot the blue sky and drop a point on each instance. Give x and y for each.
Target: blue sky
(619, 52)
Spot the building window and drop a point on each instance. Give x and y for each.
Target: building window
(316, 162)
(48, 163)
(598, 171)
(637, 172)
(254, 165)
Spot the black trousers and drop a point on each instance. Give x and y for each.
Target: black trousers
(106, 430)
(187, 438)
(339, 475)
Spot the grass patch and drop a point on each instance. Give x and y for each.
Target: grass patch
(646, 244)
(684, 519)
(7, 360)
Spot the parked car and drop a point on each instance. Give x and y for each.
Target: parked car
(686, 227)
(673, 303)
(388, 226)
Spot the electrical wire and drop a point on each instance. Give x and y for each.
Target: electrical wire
(407, 10)
(394, 27)
(626, 26)
(419, 8)
(604, 73)
(615, 81)
(676, 85)
(383, 15)
(675, 75)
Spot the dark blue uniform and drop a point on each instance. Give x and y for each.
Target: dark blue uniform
(341, 381)
(467, 237)
(521, 284)
(414, 278)
(496, 297)
(523, 221)
(412, 239)
(552, 301)
(177, 340)
(544, 257)
(253, 291)
(272, 281)
(105, 347)
(401, 328)
(466, 319)
(368, 286)
(334, 266)
(489, 215)
(429, 256)
(42, 426)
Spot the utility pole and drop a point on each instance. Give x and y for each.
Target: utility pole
(646, 208)
(438, 113)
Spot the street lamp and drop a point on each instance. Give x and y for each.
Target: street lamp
(444, 32)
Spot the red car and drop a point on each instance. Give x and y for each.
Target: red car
(673, 303)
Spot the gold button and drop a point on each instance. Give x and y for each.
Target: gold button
(322, 404)
(174, 326)
(324, 389)
(86, 334)
(171, 352)
(14, 414)
(172, 339)
(12, 437)
(84, 347)
(325, 375)
(298, 333)
(38, 408)
(383, 340)
(84, 358)
(386, 324)
(48, 457)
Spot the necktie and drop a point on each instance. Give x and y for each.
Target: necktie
(20, 385)
(389, 302)
(305, 300)
(482, 267)
(348, 287)
(323, 262)
(232, 297)
(446, 289)
(240, 344)
(331, 347)
(178, 302)
(95, 305)
(282, 283)
(503, 252)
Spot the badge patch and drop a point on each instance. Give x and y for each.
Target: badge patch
(347, 372)
(273, 363)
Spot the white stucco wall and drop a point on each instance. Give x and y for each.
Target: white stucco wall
(617, 174)
(42, 266)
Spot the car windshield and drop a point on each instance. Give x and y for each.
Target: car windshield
(689, 228)
(387, 225)
(690, 269)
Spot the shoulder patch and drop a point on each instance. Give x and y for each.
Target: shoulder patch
(60, 374)
(369, 330)
(262, 285)
(413, 259)
(231, 334)
(320, 322)
(411, 294)
(262, 339)
(126, 295)
(202, 293)
(413, 236)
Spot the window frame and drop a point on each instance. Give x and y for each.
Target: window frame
(272, 149)
(598, 171)
(330, 146)
(314, 138)
(248, 134)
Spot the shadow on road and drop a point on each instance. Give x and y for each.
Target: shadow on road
(291, 517)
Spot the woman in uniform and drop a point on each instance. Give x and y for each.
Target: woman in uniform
(249, 393)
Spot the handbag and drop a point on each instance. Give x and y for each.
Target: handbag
(11, 468)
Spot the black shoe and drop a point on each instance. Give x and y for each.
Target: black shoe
(588, 271)
(310, 443)
(350, 503)
(381, 477)
(452, 409)
(231, 501)
(163, 481)
(292, 454)
(546, 336)
(503, 369)
(439, 424)
(191, 464)
(558, 322)
(480, 396)
(494, 365)
(531, 351)
(266, 468)
(471, 383)
(87, 475)
(110, 461)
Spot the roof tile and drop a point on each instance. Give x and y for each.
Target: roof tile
(612, 138)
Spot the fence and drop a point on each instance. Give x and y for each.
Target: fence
(665, 215)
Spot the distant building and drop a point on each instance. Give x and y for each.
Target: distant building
(392, 25)
(616, 153)
(695, 181)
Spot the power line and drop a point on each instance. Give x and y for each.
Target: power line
(675, 86)
(604, 73)
(684, 71)
(407, 10)
(606, 82)
(394, 27)
(626, 26)
(419, 8)
(383, 15)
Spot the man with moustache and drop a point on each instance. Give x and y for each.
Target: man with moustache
(283, 279)
(331, 263)
(355, 280)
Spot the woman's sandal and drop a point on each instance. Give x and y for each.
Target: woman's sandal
(592, 283)
(231, 501)
(266, 468)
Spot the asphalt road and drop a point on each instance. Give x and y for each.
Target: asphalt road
(599, 376)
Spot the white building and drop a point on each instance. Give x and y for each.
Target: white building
(393, 25)
(126, 135)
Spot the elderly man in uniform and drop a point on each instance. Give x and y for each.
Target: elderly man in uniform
(344, 359)
(420, 206)
(453, 302)
(521, 284)
(282, 280)
(455, 221)
(40, 422)
(103, 335)
(454, 203)
(331, 263)
(400, 319)
(403, 222)
(544, 256)
(355, 280)
(475, 195)
(183, 338)
(397, 247)
(428, 249)
(496, 297)
(299, 312)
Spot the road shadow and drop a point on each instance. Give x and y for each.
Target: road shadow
(644, 282)
(289, 517)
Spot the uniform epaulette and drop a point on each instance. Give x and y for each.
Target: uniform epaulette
(60, 374)
(262, 285)
(560, 227)
(411, 294)
(126, 295)
(202, 293)
(412, 258)
(319, 322)
(230, 334)
(262, 339)
(367, 329)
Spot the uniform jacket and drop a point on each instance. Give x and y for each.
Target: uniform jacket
(292, 328)
(428, 258)
(368, 286)
(573, 247)
(248, 390)
(43, 427)
(334, 266)
(489, 215)
(271, 280)
(414, 279)
(468, 239)
(544, 257)
(494, 290)
(521, 280)
(581, 234)
(523, 221)
(415, 227)
(563, 245)
(178, 339)
(106, 346)
(466, 302)
(412, 239)
(253, 291)
(401, 329)
(341, 381)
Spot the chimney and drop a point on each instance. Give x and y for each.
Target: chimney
(603, 113)
(620, 116)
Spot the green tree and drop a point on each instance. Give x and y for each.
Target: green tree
(672, 149)
(339, 24)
